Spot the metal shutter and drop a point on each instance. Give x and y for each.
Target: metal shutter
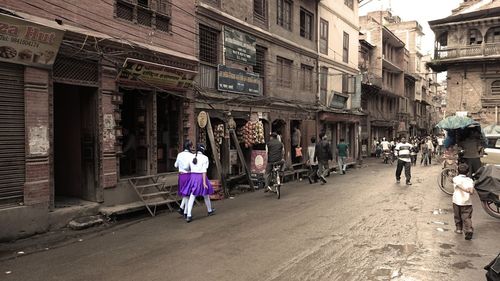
(12, 133)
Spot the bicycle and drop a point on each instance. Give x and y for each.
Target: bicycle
(450, 170)
(275, 180)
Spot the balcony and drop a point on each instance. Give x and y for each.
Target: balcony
(464, 53)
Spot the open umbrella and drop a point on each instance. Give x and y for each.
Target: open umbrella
(456, 122)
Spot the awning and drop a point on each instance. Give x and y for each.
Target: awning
(97, 34)
(339, 117)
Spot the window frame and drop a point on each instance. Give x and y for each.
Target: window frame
(280, 10)
(349, 3)
(215, 50)
(495, 89)
(284, 67)
(263, 6)
(306, 22)
(323, 36)
(154, 13)
(307, 72)
(345, 48)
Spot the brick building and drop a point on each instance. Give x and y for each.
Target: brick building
(115, 104)
(467, 48)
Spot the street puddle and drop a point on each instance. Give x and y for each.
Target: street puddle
(463, 265)
(446, 246)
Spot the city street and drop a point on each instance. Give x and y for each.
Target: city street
(359, 226)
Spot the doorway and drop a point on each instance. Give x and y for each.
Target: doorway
(75, 150)
(169, 137)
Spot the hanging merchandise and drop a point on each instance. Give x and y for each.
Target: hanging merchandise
(253, 133)
(218, 137)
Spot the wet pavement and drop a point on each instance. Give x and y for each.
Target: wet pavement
(359, 226)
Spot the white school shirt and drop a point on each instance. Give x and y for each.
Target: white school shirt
(183, 161)
(201, 166)
(385, 145)
(310, 150)
(461, 197)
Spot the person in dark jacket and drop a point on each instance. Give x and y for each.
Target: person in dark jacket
(274, 155)
(322, 154)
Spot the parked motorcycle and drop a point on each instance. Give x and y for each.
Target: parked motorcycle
(487, 184)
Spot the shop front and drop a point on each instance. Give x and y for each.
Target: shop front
(337, 127)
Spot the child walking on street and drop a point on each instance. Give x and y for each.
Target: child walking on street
(462, 204)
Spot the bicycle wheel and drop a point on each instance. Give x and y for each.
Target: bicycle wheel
(278, 190)
(491, 208)
(445, 180)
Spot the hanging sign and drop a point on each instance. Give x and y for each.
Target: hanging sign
(238, 81)
(136, 71)
(28, 43)
(202, 119)
(239, 46)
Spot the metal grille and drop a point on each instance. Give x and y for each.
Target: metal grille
(208, 44)
(163, 7)
(124, 10)
(12, 133)
(75, 71)
(162, 23)
(144, 16)
(260, 61)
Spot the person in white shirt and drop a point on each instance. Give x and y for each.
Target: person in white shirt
(386, 146)
(430, 145)
(462, 204)
(199, 183)
(403, 152)
(182, 164)
(440, 142)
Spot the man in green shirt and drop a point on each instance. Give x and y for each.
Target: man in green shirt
(342, 151)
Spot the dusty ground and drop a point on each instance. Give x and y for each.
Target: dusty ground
(359, 226)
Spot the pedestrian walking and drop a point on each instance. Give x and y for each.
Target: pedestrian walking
(312, 176)
(462, 204)
(342, 152)
(199, 183)
(414, 153)
(296, 139)
(323, 154)
(424, 148)
(430, 146)
(182, 163)
(403, 151)
(470, 142)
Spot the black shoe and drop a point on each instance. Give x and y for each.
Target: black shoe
(468, 235)
(322, 179)
(211, 213)
(189, 219)
(185, 216)
(310, 180)
(398, 181)
(180, 211)
(408, 183)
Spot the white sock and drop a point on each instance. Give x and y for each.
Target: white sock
(208, 203)
(190, 205)
(184, 202)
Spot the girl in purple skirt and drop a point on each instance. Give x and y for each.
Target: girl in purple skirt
(199, 183)
(183, 163)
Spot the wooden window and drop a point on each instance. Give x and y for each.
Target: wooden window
(345, 54)
(284, 14)
(495, 87)
(493, 35)
(208, 44)
(142, 12)
(345, 83)
(323, 36)
(475, 37)
(307, 77)
(306, 24)
(349, 3)
(284, 72)
(260, 9)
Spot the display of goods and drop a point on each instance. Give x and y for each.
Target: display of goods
(252, 133)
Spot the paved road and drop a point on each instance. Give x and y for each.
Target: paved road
(359, 226)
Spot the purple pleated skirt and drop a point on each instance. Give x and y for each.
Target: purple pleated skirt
(196, 184)
(184, 188)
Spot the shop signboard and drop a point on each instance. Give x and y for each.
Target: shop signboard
(239, 46)
(238, 81)
(338, 100)
(140, 72)
(28, 43)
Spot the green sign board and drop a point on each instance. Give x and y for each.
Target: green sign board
(238, 81)
(239, 46)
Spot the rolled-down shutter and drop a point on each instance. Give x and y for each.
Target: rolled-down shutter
(12, 133)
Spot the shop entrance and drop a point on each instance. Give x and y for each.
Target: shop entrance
(295, 140)
(135, 111)
(75, 143)
(168, 124)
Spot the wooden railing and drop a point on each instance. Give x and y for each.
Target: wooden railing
(468, 51)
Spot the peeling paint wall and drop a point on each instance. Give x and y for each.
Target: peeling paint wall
(39, 141)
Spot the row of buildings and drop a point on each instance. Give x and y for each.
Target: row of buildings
(96, 93)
